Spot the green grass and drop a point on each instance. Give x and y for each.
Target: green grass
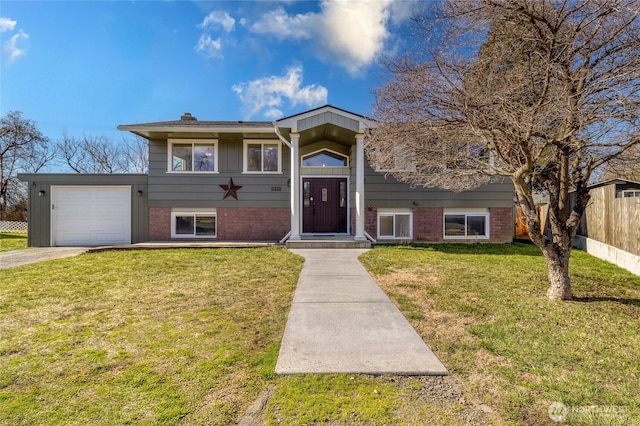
(483, 310)
(142, 337)
(12, 241)
(192, 336)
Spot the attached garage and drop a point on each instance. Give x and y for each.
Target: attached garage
(87, 210)
(90, 215)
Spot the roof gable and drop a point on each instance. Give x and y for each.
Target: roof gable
(327, 114)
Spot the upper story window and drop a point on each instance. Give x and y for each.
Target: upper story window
(262, 156)
(401, 161)
(325, 158)
(193, 156)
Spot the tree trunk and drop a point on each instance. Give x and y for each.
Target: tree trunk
(559, 281)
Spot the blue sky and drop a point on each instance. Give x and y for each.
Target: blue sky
(83, 67)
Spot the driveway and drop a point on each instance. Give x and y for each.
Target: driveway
(10, 259)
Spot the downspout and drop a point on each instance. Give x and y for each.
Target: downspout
(284, 141)
(287, 143)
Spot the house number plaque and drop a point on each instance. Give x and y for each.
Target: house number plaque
(324, 194)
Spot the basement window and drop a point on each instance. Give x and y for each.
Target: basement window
(466, 225)
(193, 224)
(395, 225)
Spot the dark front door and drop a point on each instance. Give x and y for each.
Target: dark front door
(324, 205)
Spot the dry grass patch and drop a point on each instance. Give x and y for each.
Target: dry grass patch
(482, 309)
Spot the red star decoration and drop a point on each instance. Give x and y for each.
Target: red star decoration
(230, 190)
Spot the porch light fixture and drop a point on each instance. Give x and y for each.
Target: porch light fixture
(139, 193)
(41, 193)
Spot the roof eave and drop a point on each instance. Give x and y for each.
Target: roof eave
(145, 131)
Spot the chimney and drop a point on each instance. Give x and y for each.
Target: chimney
(188, 117)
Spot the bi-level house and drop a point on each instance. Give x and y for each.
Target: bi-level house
(300, 177)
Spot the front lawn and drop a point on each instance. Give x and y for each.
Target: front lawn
(12, 241)
(192, 336)
(483, 310)
(142, 337)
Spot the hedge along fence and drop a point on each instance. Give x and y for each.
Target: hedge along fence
(7, 226)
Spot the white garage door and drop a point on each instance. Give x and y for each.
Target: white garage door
(90, 215)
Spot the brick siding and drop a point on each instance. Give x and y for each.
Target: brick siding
(159, 224)
(239, 224)
(428, 225)
(272, 224)
(253, 224)
(502, 224)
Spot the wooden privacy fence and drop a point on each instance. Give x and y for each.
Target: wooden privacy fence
(522, 230)
(7, 226)
(612, 221)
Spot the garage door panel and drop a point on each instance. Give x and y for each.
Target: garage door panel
(91, 215)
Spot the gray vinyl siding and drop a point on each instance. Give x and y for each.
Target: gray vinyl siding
(203, 189)
(39, 214)
(328, 117)
(382, 191)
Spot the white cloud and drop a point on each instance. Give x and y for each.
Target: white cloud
(267, 95)
(281, 25)
(350, 33)
(11, 46)
(209, 47)
(355, 32)
(7, 24)
(218, 18)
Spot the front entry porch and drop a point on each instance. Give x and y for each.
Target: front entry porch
(327, 157)
(328, 242)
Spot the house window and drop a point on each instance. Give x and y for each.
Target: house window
(193, 156)
(629, 193)
(262, 157)
(325, 158)
(395, 224)
(462, 225)
(402, 160)
(193, 224)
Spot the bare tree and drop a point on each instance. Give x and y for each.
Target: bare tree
(99, 154)
(136, 152)
(22, 149)
(626, 166)
(538, 91)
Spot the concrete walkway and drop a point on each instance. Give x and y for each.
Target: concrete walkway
(342, 322)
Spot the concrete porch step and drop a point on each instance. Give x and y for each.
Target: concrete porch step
(327, 244)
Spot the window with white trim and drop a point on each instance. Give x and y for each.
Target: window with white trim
(198, 156)
(630, 193)
(325, 158)
(403, 160)
(193, 224)
(262, 156)
(466, 225)
(395, 224)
